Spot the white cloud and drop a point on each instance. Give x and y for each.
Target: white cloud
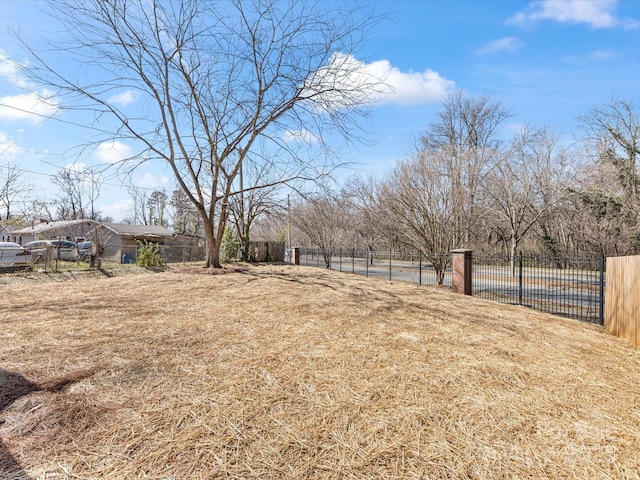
(10, 71)
(346, 81)
(410, 88)
(113, 152)
(507, 44)
(603, 54)
(300, 136)
(149, 180)
(8, 148)
(32, 107)
(597, 13)
(77, 167)
(123, 99)
(118, 210)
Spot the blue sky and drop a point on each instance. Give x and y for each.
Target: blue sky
(547, 61)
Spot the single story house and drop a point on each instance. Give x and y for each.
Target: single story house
(73, 230)
(121, 242)
(7, 235)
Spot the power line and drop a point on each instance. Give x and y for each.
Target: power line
(52, 175)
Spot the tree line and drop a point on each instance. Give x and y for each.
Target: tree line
(465, 184)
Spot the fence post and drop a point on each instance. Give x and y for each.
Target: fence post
(462, 262)
(420, 267)
(366, 263)
(353, 259)
(601, 312)
(389, 264)
(341, 259)
(520, 278)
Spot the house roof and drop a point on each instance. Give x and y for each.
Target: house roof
(53, 227)
(138, 230)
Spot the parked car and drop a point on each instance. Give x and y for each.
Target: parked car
(56, 249)
(13, 256)
(84, 250)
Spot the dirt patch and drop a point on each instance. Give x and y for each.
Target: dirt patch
(293, 372)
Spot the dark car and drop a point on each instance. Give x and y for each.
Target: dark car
(84, 250)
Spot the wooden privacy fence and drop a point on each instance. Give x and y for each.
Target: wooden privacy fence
(622, 305)
(261, 251)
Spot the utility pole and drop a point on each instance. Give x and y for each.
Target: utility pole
(289, 221)
(244, 233)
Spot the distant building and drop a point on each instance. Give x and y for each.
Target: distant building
(74, 230)
(121, 242)
(7, 235)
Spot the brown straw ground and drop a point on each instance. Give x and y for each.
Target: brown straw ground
(293, 372)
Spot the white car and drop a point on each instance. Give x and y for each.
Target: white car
(54, 249)
(14, 256)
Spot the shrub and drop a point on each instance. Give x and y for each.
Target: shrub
(229, 247)
(149, 255)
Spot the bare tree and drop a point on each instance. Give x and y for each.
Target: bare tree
(251, 203)
(592, 218)
(92, 182)
(530, 179)
(40, 210)
(78, 191)
(613, 133)
(366, 211)
(467, 134)
(184, 217)
(322, 221)
(419, 197)
(140, 200)
(12, 187)
(215, 79)
(157, 206)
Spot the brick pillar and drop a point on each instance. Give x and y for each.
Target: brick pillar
(462, 261)
(295, 255)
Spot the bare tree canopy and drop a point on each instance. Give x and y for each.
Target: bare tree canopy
(322, 221)
(530, 180)
(11, 186)
(184, 218)
(615, 131)
(78, 192)
(466, 132)
(215, 79)
(419, 196)
(251, 204)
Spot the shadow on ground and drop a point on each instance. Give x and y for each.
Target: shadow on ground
(14, 386)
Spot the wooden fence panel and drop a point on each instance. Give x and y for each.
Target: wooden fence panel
(622, 300)
(266, 251)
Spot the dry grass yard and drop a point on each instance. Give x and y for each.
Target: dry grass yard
(285, 372)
